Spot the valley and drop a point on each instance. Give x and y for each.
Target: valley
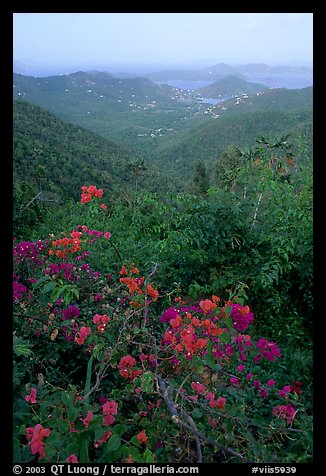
(163, 124)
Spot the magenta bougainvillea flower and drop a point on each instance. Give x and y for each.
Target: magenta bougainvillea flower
(31, 398)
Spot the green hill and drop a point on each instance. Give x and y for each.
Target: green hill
(61, 157)
(230, 86)
(208, 141)
(281, 99)
(121, 110)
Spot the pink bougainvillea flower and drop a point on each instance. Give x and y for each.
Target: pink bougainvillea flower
(285, 391)
(141, 437)
(72, 459)
(110, 408)
(143, 357)
(198, 388)
(287, 412)
(207, 306)
(107, 235)
(72, 428)
(271, 382)
(103, 439)
(88, 419)
(31, 398)
(296, 387)
(102, 320)
(263, 392)
(234, 380)
(268, 349)
(221, 402)
(82, 334)
(36, 436)
(103, 206)
(241, 317)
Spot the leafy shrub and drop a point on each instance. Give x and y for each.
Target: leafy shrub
(102, 374)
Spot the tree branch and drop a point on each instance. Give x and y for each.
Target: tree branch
(32, 317)
(166, 392)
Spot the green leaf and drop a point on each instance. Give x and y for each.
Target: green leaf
(149, 457)
(49, 287)
(114, 443)
(135, 441)
(197, 413)
(83, 454)
(200, 369)
(21, 349)
(88, 378)
(210, 360)
(147, 382)
(42, 280)
(224, 337)
(67, 399)
(120, 429)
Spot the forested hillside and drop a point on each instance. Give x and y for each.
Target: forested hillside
(163, 281)
(207, 142)
(55, 155)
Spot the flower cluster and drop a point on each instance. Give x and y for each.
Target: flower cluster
(95, 234)
(29, 251)
(267, 349)
(82, 334)
(287, 412)
(241, 317)
(18, 291)
(89, 192)
(72, 459)
(126, 366)
(88, 419)
(101, 321)
(31, 398)
(189, 333)
(66, 270)
(36, 436)
(208, 305)
(110, 409)
(135, 284)
(68, 245)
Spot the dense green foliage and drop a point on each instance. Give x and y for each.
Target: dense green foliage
(187, 387)
(215, 207)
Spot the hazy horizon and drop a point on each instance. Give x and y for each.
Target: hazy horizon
(59, 43)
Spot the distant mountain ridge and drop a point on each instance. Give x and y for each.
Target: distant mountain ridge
(220, 70)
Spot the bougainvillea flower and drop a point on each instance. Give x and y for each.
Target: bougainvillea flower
(198, 388)
(207, 306)
(36, 436)
(88, 419)
(31, 398)
(82, 334)
(287, 412)
(141, 437)
(72, 459)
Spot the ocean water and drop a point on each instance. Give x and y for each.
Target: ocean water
(188, 85)
(282, 80)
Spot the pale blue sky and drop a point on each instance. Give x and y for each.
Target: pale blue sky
(111, 41)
